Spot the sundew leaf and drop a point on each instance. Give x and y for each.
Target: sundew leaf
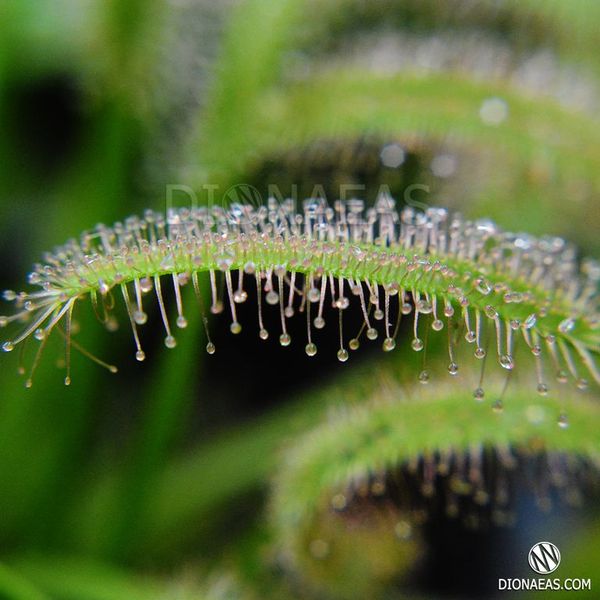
(510, 289)
(250, 73)
(264, 112)
(443, 109)
(396, 425)
(567, 28)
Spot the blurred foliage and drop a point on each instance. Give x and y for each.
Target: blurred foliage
(154, 483)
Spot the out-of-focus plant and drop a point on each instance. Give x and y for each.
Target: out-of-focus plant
(134, 472)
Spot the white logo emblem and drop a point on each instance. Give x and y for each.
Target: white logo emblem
(544, 558)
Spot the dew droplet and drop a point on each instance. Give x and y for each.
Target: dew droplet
(288, 312)
(272, 298)
(339, 502)
(542, 389)
(479, 394)
(417, 345)
(314, 295)
(389, 344)
(8, 347)
(39, 334)
(240, 296)
(561, 376)
(263, 334)
(403, 530)
(424, 307)
(479, 353)
(378, 314)
(437, 325)
(319, 322)
(216, 308)
(210, 348)
(353, 344)
(566, 326)
(140, 355)
(406, 308)
(491, 312)
(563, 420)
(170, 342)
(181, 322)
(224, 264)
(342, 355)
(392, 155)
(530, 321)
(483, 287)
(582, 384)
(372, 333)
(470, 336)
(3, 321)
(310, 349)
(140, 317)
(342, 303)
(507, 362)
(493, 111)
(424, 376)
(111, 324)
(235, 327)
(498, 406)
(285, 339)
(453, 368)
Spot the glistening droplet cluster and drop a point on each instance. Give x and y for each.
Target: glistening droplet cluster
(481, 486)
(466, 280)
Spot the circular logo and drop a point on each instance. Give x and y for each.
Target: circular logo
(544, 558)
(243, 193)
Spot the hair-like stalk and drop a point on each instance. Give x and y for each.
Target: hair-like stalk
(443, 271)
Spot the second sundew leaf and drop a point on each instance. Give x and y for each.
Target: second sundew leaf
(538, 136)
(567, 28)
(423, 433)
(445, 108)
(262, 113)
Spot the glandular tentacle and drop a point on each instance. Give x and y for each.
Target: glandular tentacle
(486, 283)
